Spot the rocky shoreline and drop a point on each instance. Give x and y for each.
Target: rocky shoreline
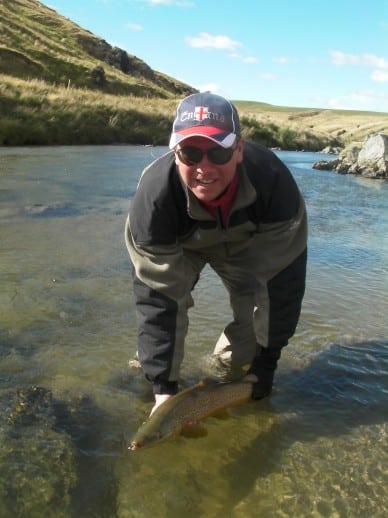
(369, 160)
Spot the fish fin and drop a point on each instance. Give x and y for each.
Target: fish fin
(194, 431)
(204, 381)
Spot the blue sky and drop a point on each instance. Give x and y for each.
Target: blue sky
(306, 53)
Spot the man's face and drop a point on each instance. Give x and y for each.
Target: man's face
(205, 179)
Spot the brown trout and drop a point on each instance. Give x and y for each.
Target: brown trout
(187, 407)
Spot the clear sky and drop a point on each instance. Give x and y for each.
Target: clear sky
(305, 53)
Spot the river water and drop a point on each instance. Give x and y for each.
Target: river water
(317, 447)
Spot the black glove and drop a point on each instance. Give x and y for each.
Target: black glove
(263, 366)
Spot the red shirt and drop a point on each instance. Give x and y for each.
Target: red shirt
(223, 203)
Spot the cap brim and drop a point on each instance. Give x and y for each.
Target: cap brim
(222, 139)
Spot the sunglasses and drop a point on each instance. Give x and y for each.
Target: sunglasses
(218, 155)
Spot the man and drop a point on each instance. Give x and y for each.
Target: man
(215, 199)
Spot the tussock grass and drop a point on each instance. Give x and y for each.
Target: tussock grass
(36, 112)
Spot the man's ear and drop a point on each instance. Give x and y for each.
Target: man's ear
(240, 150)
(176, 157)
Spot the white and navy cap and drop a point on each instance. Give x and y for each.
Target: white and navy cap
(206, 115)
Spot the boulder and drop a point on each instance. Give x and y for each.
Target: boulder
(369, 160)
(97, 76)
(373, 156)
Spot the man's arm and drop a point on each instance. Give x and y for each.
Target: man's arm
(161, 289)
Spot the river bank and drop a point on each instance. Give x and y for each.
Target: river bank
(35, 112)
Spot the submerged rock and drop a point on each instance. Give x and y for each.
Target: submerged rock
(55, 210)
(57, 455)
(37, 464)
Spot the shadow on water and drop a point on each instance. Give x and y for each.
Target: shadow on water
(344, 387)
(96, 448)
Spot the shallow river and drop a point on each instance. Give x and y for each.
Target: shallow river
(69, 402)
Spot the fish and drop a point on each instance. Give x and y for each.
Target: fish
(188, 407)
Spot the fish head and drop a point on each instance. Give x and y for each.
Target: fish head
(145, 436)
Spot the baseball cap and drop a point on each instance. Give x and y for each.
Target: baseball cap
(206, 115)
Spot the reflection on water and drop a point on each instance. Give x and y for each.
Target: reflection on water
(69, 403)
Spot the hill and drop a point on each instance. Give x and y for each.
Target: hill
(39, 43)
(61, 84)
(347, 125)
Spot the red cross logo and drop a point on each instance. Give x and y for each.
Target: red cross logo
(200, 113)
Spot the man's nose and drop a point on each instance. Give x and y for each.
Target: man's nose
(204, 162)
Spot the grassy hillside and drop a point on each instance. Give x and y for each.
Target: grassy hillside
(60, 84)
(348, 125)
(36, 42)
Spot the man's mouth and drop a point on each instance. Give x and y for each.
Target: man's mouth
(205, 182)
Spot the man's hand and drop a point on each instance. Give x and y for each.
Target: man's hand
(159, 399)
(259, 390)
(262, 370)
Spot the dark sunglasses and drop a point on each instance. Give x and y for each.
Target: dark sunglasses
(218, 155)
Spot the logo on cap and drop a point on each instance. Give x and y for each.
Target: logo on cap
(200, 112)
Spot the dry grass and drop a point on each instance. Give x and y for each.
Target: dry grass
(349, 125)
(36, 106)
